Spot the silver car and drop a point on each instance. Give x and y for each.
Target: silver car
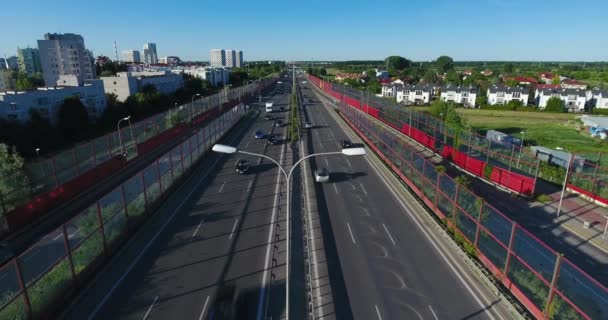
(321, 175)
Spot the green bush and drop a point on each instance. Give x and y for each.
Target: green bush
(463, 181)
(600, 111)
(487, 171)
(543, 198)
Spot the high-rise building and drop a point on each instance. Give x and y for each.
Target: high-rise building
(217, 57)
(13, 63)
(29, 60)
(64, 54)
(230, 58)
(239, 59)
(150, 55)
(131, 56)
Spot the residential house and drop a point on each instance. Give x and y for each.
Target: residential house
(526, 81)
(574, 100)
(546, 77)
(597, 99)
(415, 94)
(459, 94)
(487, 73)
(341, 76)
(390, 90)
(573, 84)
(500, 95)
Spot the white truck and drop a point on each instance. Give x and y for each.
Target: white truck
(269, 107)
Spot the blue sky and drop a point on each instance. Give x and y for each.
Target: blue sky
(323, 30)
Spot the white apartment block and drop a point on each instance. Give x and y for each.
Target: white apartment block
(499, 94)
(597, 99)
(131, 56)
(217, 57)
(574, 100)
(126, 84)
(16, 105)
(390, 91)
(230, 58)
(215, 76)
(150, 55)
(64, 54)
(463, 95)
(415, 94)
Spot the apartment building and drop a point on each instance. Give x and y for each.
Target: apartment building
(226, 58)
(149, 52)
(574, 100)
(132, 56)
(16, 105)
(415, 94)
(597, 99)
(64, 54)
(217, 57)
(126, 84)
(29, 61)
(215, 76)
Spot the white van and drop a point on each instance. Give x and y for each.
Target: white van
(269, 107)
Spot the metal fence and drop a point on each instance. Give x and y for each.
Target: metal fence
(32, 282)
(46, 175)
(590, 179)
(546, 283)
(512, 157)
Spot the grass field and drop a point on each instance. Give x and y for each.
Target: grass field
(547, 129)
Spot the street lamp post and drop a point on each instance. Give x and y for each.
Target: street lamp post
(521, 147)
(122, 149)
(192, 105)
(561, 197)
(231, 150)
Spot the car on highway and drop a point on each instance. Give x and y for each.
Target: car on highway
(321, 175)
(346, 144)
(259, 135)
(308, 125)
(273, 140)
(268, 117)
(279, 123)
(242, 167)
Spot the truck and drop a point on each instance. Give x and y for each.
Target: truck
(269, 107)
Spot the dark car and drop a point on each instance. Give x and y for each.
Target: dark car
(259, 135)
(311, 100)
(273, 140)
(268, 117)
(282, 108)
(224, 305)
(242, 167)
(346, 144)
(279, 123)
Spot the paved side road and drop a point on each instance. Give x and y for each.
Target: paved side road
(392, 265)
(212, 232)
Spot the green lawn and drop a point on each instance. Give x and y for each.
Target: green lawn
(547, 129)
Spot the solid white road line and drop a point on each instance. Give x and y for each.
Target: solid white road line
(363, 188)
(351, 233)
(204, 309)
(196, 231)
(389, 234)
(150, 308)
(233, 227)
(335, 188)
(433, 312)
(326, 162)
(349, 164)
(145, 249)
(58, 236)
(222, 187)
(250, 184)
(378, 312)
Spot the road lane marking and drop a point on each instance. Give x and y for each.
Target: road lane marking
(269, 241)
(147, 246)
(389, 234)
(204, 308)
(196, 231)
(222, 187)
(249, 187)
(150, 308)
(363, 188)
(351, 233)
(349, 164)
(335, 188)
(58, 236)
(233, 227)
(378, 312)
(247, 145)
(433, 312)
(326, 162)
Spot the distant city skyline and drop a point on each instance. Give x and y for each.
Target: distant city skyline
(490, 30)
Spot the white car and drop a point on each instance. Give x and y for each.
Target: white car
(321, 175)
(308, 125)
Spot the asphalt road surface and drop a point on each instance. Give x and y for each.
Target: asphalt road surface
(218, 238)
(390, 268)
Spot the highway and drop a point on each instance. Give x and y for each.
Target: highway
(391, 268)
(216, 231)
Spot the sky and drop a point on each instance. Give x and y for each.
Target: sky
(420, 30)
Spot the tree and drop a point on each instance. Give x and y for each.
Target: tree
(514, 104)
(446, 111)
(453, 77)
(555, 104)
(12, 177)
(73, 120)
(508, 68)
(429, 76)
(444, 64)
(398, 63)
(555, 80)
(106, 73)
(23, 82)
(512, 83)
